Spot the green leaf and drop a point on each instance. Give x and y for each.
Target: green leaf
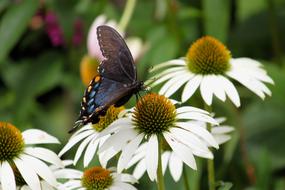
(216, 18)
(14, 23)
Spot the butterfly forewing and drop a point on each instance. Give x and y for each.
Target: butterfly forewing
(119, 64)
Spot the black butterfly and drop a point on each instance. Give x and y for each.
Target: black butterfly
(116, 82)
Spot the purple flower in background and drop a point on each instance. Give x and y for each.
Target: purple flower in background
(53, 29)
(78, 34)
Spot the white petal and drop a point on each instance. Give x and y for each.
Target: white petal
(173, 81)
(90, 151)
(44, 154)
(167, 77)
(28, 174)
(7, 177)
(82, 129)
(221, 129)
(140, 169)
(46, 186)
(82, 147)
(105, 156)
(186, 137)
(181, 150)
(36, 136)
(217, 88)
(191, 87)
(126, 178)
(206, 90)
(40, 168)
(251, 83)
(118, 140)
(124, 186)
(163, 73)
(74, 140)
(128, 152)
(175, 167)
(174, 62)
(190, 109)
(172, 89)
(67, 173)
(152, 157)
(230, 90)
(115, 126)
(222, 138)
(139, 154)
(164, 160)
(200, 131)
(197, 116)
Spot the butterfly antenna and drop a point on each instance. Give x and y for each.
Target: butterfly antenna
(76, 125)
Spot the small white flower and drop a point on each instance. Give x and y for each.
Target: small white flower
(155, 117)
(208, 64)
(100, 178)
(18, 156)
(89, 135)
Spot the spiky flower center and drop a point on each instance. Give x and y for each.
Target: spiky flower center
(154, 114)
(11, 142)
(111, 115)
(96, 178)
(208, 56)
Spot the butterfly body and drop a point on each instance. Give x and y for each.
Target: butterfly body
(116, 82)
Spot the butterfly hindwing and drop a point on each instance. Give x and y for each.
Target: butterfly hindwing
(119, 64)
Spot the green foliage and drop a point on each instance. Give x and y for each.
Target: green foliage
(14, 23)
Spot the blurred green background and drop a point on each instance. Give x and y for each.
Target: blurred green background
(42, 44)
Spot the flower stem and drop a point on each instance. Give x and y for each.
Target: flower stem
(160, 179)
(185, 178)
(210, 162)
(128, 11)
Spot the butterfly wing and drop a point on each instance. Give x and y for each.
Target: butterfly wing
(99, 96)
(119, 64)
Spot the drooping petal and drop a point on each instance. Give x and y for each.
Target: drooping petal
(152, 157)
(206, 90)
(197, 116)
(162, 78)
(90, 151)
(75, 140)
(44, 154)
(190, 109)
(128, 152)
(124, 186)
(28, 174)
(82, 147)
(175, 167)
(40, 168)
(200, 131)
(174, 62)
(164, 160)
(7, 177)
(181, 150)
(230, 90)
(191, 87)
(172, 82)
(36, 136)
(140, 169)
(67, 173)
(172, 89)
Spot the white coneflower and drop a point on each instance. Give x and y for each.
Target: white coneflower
(88, 134)
(208, 64)
(98, 178)
(155, 117)
(169, 158)
(20, 163)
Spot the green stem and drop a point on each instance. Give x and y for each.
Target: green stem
(160, 179)
(128, 11)
(210, 162)
(185, 178)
